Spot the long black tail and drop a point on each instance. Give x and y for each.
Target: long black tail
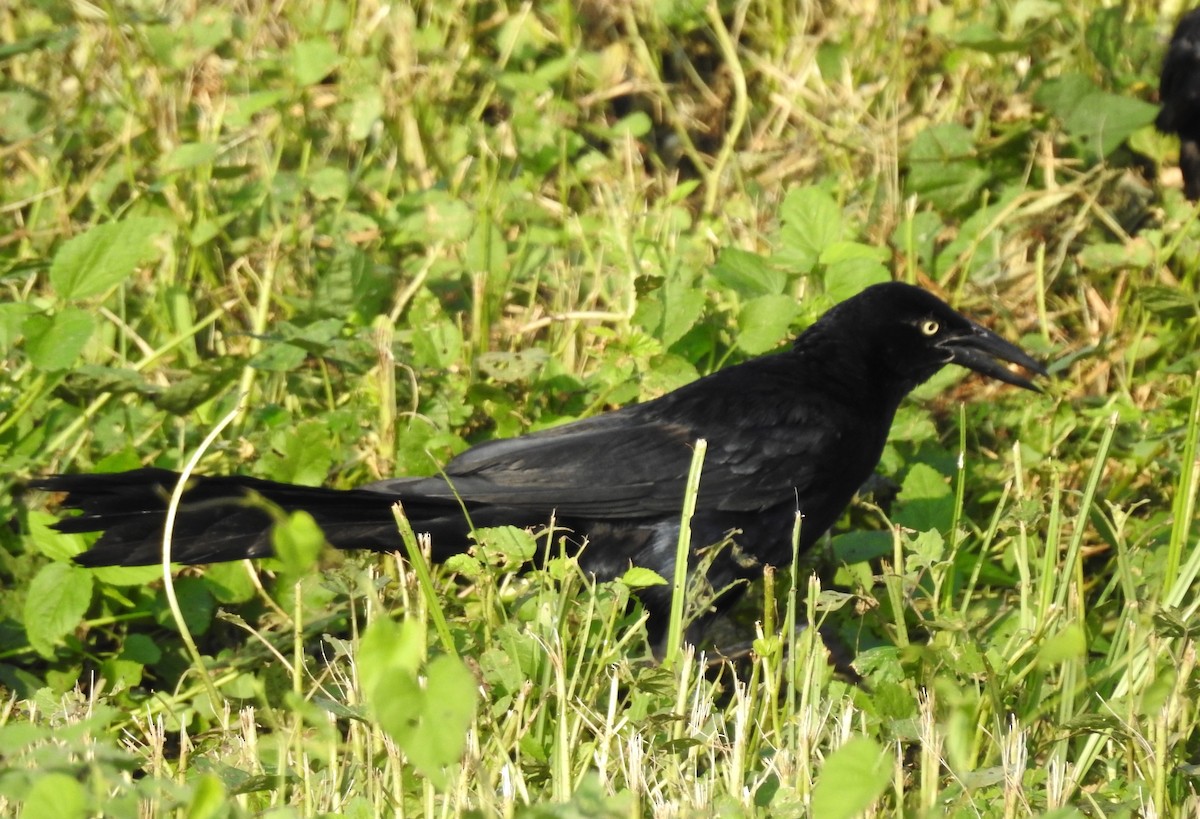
(219, 518)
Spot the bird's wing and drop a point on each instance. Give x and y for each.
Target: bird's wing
(634, 463)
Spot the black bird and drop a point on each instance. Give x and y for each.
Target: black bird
(796, 431)
(1179, 93)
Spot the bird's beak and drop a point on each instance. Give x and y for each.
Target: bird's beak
(981, 350)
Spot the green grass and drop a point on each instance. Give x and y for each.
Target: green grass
(367, 236)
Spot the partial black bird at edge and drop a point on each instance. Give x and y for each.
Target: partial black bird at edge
(797, 431)
(1179, 94)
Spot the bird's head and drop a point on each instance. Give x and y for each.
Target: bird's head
(910, 334)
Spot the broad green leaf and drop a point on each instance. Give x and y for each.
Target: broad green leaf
(105, 255)
(189, 155)
(54, 343)
(313, 60)
(131, 575)
(1068, 644)
(279, 357)
(429, 720)
(13, 316)
(764, 322)
(366, 110)
(923, 550)
(860, 545)
(1109, 256)
(54, 545)
(1102, 121)
(438, 345)
(55, 796)
(59, 595)
(299, 454)
(682, 305)
(486, 249)
(388, 648)
(635, 126)
(208, 799)
(297, 542)
(748, 273)
(468, 566)
(139, 648)
(812, 221)
(851, 779)
(196, 604)
(243, 107)
(639, 577)
(329, 183)
(943, 168)
(851, 275)
(926, 500)
(846, 251)
(1097, 120)
(513, 543)
(229, 582)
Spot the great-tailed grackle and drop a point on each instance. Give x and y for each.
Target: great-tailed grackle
(1179, 93)
(796, 431)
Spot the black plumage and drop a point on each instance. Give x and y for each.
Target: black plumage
(796, 431)
(1179, 93)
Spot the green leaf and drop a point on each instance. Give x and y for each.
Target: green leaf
(55, 796)
(429, 721)
(851, 275)
(1068, 644)
(54, 343)
(279, 357)
(514, 544)
(486, 250)
(329, 183)
(923, 550)
(139, 648)
(365, 111)
(298, 542)
(54, 545)
(748, 273)
(638, 577)
(229, 582)
(851, 779)
(926, 500)
(845, 251)
(196, 604)
(208, 798)
(388, 648)
(313, 60)
(943, 168)
(860, 545)
(243, 107)
(812, 221)
(764, 321)
(300, 454)
(105, 255)
(1102, 121)
(1097, 120)
(188, 155)
(59, 595)
(1109, 256)
(682, 305)
(12, 322)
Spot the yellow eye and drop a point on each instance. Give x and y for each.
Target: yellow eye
(930, 327)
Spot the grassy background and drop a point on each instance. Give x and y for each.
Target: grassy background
(396, 230)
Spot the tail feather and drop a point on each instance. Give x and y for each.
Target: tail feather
(224, 518)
